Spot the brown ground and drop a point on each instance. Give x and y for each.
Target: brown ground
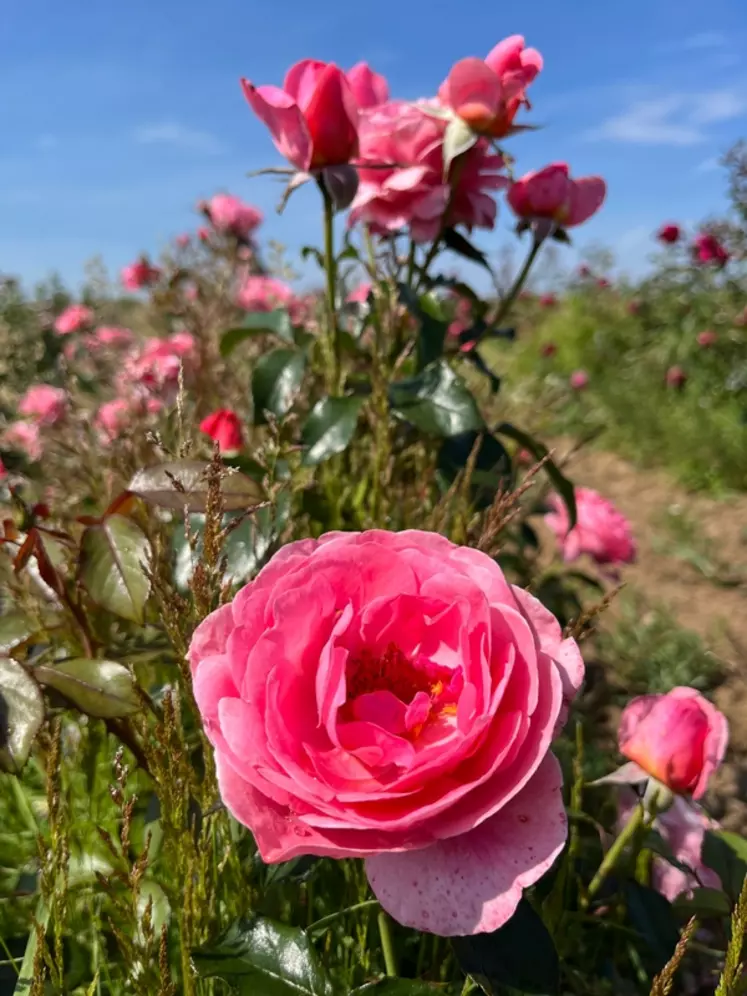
(717, 613)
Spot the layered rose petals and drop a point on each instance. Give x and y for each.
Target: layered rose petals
(552, 194)
(389, 695)
(601, 531)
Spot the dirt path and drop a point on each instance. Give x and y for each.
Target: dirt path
(716, 612)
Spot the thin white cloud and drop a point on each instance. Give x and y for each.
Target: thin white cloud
(172, 133)
(709, 165)
(678, 119)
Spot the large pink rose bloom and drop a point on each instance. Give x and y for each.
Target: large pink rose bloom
(553, 195)
(391, 696)
(45, 403)
(232, 215)
(73, 319)
(601, 531)
(418, 196)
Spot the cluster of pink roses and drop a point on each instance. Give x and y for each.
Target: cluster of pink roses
(323, 118)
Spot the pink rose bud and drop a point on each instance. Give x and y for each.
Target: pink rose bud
(551, 194)
(584, 271)
(603, 283)
(46, 404)
(140, 274)
(231, 215)
(369, 88)
(579, 380)
(224, 428)
(708, 249)
(601, 531)
(182, 241)
(73, 319)
(357, 708)
(313, 120)
(676, 377)
(678, 738)
(669, 234)
(707, 338)
(203, 234)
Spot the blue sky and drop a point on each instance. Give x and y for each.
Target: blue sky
(117, 118)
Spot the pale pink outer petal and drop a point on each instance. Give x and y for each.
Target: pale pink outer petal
(301, 79)
(587, 196)
(211, 636)
(635, 711)
(471, 85)
(473, 883)
(284, 119)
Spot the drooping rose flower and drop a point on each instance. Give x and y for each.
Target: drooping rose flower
(369, 88)
(224, 427)
(44, 403)
(487, 94)
(25, 437)
(669, 234)
(391, 696)
(676, 377)
(73, 319)
(707, 248)
(313, 119)
(550, 194)
(231, 215)
(678, 738)
(579, 380)
(707, 338)
(601, 531)
(139, 274)
(415, 194)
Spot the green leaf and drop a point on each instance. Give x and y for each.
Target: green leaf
(652, 916)
(703, 903)
(276, 380)
(560, 482)
(429, 312)
(458, 139)
(726, 854)
(463, 247)
(21, 714)
(492, 469)
(184, 483)
(26, 973)
(152, 895)
(113, 556)
(436, 401)
(329, 428)
(297, 869)
(265, 958)
(258, 323)
(97, 687)
(397, 987)
(15, 629)
(520, 955)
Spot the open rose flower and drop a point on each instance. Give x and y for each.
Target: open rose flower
(551, 194)
(707, 248)
(707, 338)
(46, 404)
(231, 215)
(601, 531)
(73, 319)
(487, 93)
(313, 119)
(678, 738)
(258, 293)
(25, 437)
(139, 274)
(417, 196)
(391, 696)
(224, 427)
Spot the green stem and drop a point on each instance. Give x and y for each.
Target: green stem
(432, 253)
(326, 920)
(387, 947)
(625, 837)
(508, 300)
(330, 267)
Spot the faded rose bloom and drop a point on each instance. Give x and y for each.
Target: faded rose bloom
(487, 94)
(579, 380)
(708, 249)
(231, 215)
(550, 194)
(678, 738)
(313, 119)
(390, 696)
(73, 319)
(676, 377)
(140, 274)
(369, 88)
(224, 428)
(707, 338)
(601, 531)
(25, 437)
(44, 403)
(415, 194)
(669, 234)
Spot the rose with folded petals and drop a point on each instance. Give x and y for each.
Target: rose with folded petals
(579, 380)
(414, 194)
(669, 234)
(678, 738)
(487, 94)
(231, 215)
(73, 319)
(139, 274)
(26, 437)
(551, 195)
(391, 696)
(313, 119)
(601, 531)
(44, 403)
(224, 428)
(369, 88)
(708, 249)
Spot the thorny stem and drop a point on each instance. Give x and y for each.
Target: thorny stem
(387, 947)
(626, 835)
(330, 267)
(326, 920)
